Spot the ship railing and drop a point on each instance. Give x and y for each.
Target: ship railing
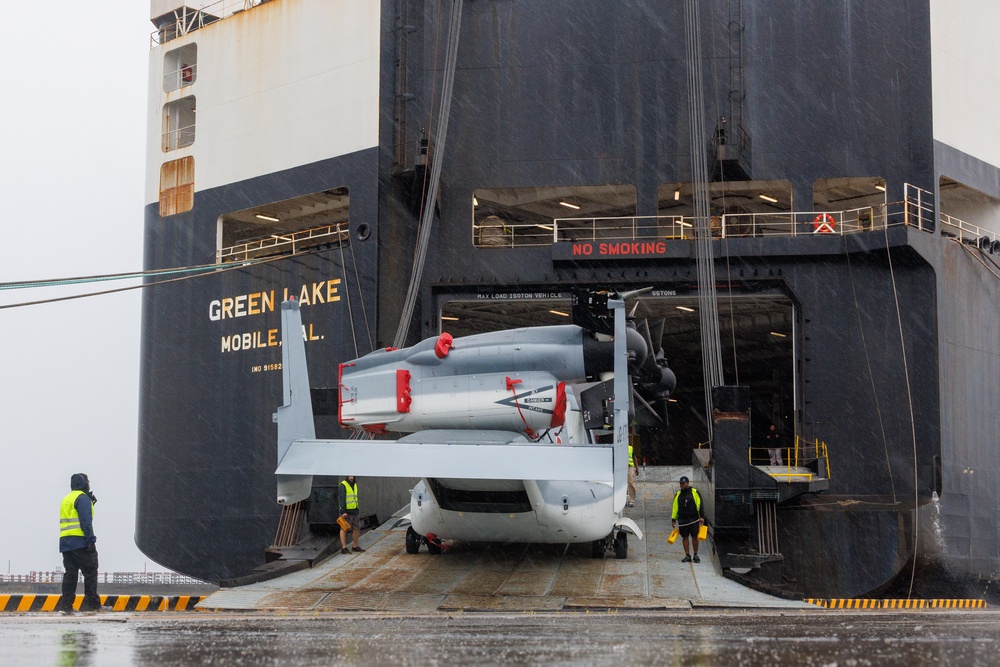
(966, 232)
(492, 232)
(284, 243)
(918, 209)
(617, 228)
(188, 19)
(184, 75)
(178, 138)
(55, 577)
(731, 225)
(801, 453)
(799, 223)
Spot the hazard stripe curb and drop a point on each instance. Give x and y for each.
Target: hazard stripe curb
(16, 603)
(858, 603)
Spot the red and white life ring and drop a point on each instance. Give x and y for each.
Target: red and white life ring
(823, 224)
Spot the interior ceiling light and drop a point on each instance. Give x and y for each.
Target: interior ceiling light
(671, 400)
(269, 218)
(677, 195)
(769, 198)
(475, 202)
(568, 205)
(779, 335)
(684, 224)
(449, 318)
(880, 187)
(685, 309)
(559, 312)
(548, 227)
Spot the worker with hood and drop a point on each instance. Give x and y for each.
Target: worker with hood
(78, 545)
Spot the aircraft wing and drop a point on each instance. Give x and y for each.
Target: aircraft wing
(447, 460)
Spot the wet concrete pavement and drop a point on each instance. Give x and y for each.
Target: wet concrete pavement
(508, 604)
(692, 637)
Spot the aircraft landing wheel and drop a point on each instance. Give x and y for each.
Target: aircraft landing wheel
(597, 549)
(433, 548)
(412, 541)
(621, 545)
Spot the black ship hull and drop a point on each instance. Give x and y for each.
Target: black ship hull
(891, 355)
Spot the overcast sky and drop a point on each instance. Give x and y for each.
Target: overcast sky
(73, 119)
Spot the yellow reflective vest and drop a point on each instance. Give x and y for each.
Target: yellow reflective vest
(69, 518)
(350, 495)
(631, 461)
(697, 503)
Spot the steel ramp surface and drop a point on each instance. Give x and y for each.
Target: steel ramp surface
(512, 577)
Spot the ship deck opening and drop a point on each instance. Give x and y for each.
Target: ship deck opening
(758, 341)
(283, 227)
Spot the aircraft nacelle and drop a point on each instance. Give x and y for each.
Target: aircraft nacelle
(511, 380)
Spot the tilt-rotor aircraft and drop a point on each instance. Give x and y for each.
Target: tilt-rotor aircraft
(518, 435)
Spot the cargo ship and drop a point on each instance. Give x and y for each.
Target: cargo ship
(407, 168)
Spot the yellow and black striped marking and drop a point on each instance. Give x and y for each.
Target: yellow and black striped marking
(108, 602)
(859, 603)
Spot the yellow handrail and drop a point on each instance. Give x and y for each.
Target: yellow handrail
(793, 457)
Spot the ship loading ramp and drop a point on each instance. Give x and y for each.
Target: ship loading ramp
(512, 577)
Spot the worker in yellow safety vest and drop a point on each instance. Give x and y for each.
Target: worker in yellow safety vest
(351, 516)
(631, 471)
(78, 545)
(687, 510)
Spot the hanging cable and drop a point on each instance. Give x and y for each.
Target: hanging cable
(194, 271)
(707, 302)
(350, 310)
(868, 364)
(913, 425)
(437, 158)
(62, 282)
(979, 258)
(361, 293)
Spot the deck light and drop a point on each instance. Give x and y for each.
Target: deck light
(568, 205)
(685, 309)
(449, 318)
(677, 195)
(267, 217)
(779, 335)
(559, 312)
(880, 187)
(769, 198)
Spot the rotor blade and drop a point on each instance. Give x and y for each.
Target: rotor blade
(650, 367)
(646, 404)
(656, 332)
(635, 292)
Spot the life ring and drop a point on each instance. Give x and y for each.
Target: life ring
(823, 224)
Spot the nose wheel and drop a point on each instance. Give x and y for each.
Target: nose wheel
(412, 540)
(415, 540)
(617, 542)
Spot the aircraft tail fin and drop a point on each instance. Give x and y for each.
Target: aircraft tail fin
(623, 397)
(295, 416)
